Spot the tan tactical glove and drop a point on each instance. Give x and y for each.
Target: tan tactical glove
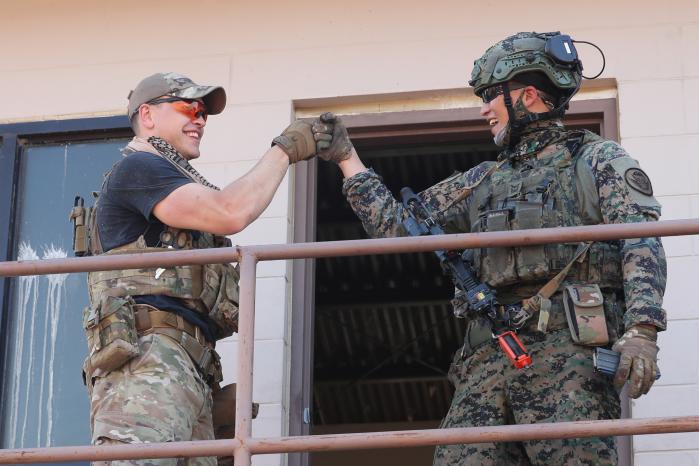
(302, 141)
(638, 359)
(341, 146)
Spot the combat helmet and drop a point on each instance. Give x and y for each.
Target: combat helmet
(548, 61)
(552, 54)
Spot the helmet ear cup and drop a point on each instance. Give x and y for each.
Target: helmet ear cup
(562, 50)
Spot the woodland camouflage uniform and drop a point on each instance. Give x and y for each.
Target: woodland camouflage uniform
(561, 385)
(577, 178)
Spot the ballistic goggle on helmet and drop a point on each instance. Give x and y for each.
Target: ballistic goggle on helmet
(529, 53)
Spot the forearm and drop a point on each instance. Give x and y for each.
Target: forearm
(352, 166)
(382, 215)
(645, 271)
(372, 202)
(643, 264)
(253, 192)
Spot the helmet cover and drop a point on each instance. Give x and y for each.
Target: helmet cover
(527, 52)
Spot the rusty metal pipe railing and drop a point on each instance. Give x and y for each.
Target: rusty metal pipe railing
(508, 433)
(478, 240)
(246, 347)
(354, 247)
(120, 261)
(132, 451)
(362, 441)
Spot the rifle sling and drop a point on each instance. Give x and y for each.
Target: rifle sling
(541, 301)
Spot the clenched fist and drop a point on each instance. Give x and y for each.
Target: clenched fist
(340, 145)
(302, 140)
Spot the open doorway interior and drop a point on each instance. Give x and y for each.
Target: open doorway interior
(384, 329)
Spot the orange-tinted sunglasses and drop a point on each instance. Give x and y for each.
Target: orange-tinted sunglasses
(191, 108)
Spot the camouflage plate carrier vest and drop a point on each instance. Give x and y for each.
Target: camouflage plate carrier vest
(210, 289)
(541, 193)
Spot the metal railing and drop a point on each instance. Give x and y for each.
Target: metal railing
(244, 445)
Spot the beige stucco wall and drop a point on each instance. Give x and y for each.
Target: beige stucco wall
(79, 58)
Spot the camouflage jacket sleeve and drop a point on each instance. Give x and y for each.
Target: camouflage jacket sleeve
(626, 196)
(382, 215)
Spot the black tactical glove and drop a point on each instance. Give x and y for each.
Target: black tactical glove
(638, 360)
(302, 140)
(341, 146)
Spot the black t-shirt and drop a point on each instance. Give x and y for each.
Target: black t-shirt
(125, 211)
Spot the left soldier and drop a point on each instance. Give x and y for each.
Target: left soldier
(151, 332)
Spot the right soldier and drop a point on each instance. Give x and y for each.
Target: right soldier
(600, 294)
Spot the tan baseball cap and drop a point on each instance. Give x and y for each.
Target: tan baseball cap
(176, 85)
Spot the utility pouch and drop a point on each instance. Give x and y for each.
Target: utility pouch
(223, 413)
(532, 263)
(584, 308)
(223, 416)
(81, 216)
(497, 264)
(111, 334)
(220, 296)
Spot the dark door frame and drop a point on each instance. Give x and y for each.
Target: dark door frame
(445, 125)
(14, 138)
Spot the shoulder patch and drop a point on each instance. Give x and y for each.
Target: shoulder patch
(638, 180)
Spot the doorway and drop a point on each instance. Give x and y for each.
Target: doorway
(379, 330)
(384, 329)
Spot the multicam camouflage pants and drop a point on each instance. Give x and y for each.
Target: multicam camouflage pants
(561, 385)
(158, 396)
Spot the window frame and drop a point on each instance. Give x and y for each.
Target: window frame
(14, 138)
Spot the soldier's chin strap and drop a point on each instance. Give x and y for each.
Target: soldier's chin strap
(517, 125)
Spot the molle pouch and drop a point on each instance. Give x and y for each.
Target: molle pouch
(223, 413)
(220, 296)
(532, 263)
(584, 308)
(111, 334)
(497, 265)
(226, 310)
(80, 216)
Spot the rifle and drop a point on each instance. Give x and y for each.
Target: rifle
(481, 298)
